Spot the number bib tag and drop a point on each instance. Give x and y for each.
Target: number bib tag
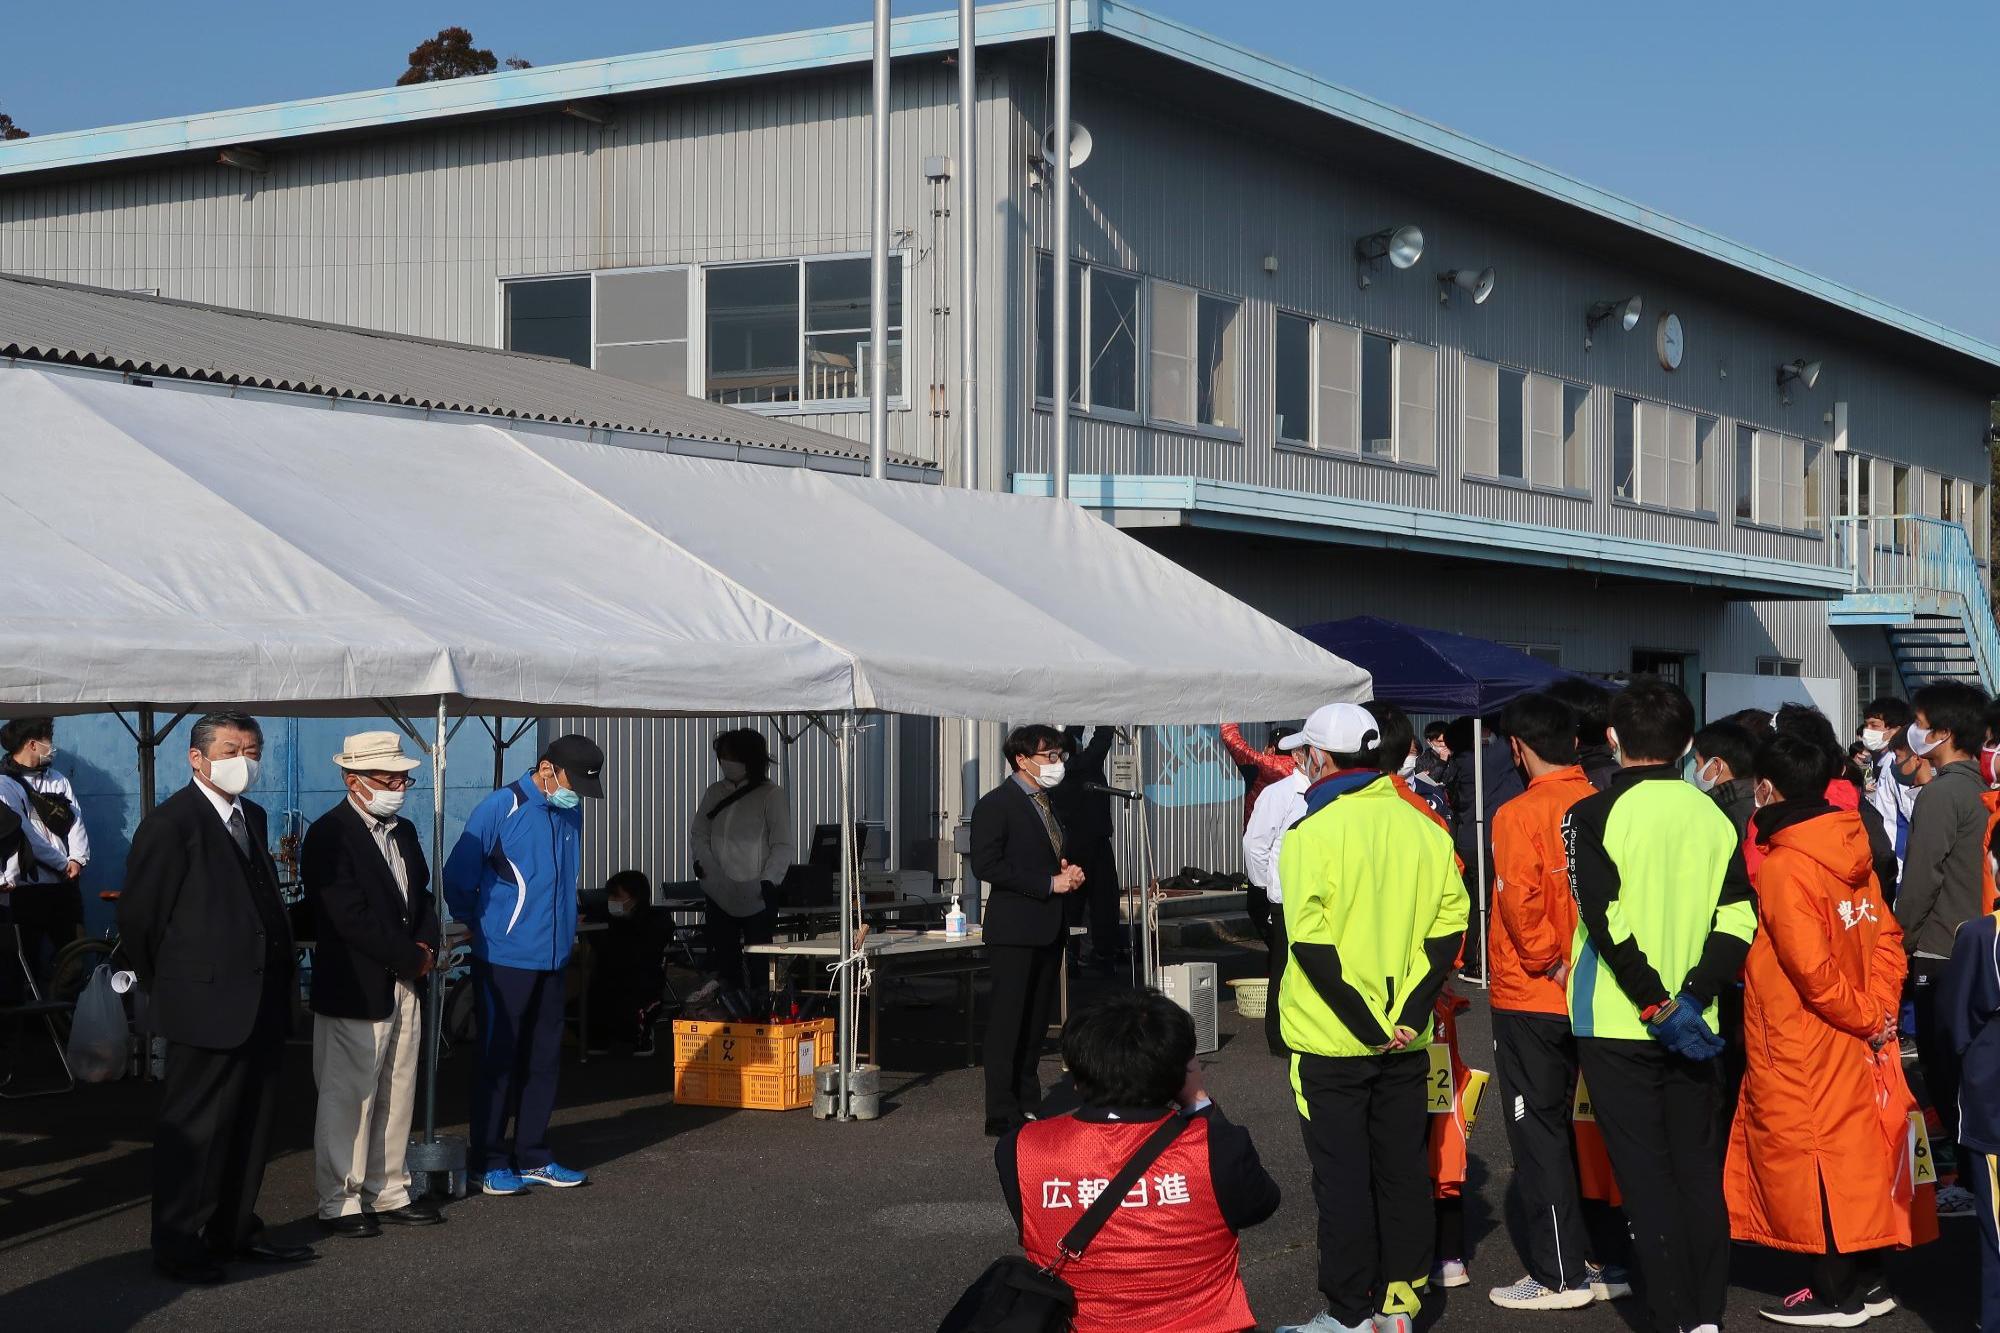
(1440, 1091)
(1924, 1168)
(1581, 1108)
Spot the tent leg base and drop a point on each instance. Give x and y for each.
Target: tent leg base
(438, 1169)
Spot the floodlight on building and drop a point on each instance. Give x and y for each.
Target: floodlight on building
(1804, 371)
(1079, 145)
(1401, 246)
(1626, 312)
(1479, 285)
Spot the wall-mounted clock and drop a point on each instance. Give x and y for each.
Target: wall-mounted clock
(1670, 339)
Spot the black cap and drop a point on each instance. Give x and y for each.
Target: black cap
(582, 760)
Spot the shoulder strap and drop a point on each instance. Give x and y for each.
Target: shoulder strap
(734, 797)
(1078, 1238)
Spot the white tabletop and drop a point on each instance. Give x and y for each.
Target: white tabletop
(878, 942)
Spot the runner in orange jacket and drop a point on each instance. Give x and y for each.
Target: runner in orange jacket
(1810, 1166)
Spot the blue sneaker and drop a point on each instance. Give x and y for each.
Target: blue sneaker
(553, 1174)
(502, 1181)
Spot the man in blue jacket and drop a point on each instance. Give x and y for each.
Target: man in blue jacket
(513, 879)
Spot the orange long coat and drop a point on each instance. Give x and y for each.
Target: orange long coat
(1825, 971)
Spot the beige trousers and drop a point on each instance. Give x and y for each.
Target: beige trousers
(367, 1078)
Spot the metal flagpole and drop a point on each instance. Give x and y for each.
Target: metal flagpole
(968, 377)
(848, 998)
(878, 275)
(1479, 831)
(1059, 296)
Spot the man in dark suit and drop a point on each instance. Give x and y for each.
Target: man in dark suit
(1017, 849)
(376, 927)
(206, 932)
(1087, 832)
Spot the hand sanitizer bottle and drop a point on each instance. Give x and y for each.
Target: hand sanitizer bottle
(954, 921)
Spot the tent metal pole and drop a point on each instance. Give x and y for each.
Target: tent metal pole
(1479, 833)
(1059, 302)
(149, 745)
(845, 1038)
(878, 267)
(434, 987)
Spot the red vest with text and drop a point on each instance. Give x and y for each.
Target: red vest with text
(1165, 1260)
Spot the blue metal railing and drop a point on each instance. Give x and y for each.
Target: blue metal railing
(1929, 559)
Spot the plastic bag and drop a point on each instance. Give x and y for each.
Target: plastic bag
(98, 1038)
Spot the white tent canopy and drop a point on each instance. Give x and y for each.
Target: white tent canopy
(208, 550)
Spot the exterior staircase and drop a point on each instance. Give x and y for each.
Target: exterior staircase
(1921, 582)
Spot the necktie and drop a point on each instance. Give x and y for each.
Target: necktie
(1054, 829)
(240, 833)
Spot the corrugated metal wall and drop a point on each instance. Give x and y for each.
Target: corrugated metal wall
(1168, 195)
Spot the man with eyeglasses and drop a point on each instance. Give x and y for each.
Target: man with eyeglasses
(376, 928)
(1017, 849)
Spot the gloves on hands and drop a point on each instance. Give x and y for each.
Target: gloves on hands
(1679, 1026)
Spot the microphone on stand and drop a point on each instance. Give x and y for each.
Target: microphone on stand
(1120, 792)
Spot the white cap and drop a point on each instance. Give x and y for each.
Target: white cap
(1336, 729)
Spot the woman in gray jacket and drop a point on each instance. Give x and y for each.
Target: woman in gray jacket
(743, 845)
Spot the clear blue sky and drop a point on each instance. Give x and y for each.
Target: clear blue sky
(1857, 141)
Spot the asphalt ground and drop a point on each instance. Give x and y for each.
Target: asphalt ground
(698, 1219)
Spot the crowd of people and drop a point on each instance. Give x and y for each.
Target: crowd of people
(1711, 951)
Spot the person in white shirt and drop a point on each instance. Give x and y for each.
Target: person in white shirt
(39, 875)
(743, 845)
(1279, 806)
(1882, 720)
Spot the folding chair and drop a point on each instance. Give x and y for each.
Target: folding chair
(35, 1006)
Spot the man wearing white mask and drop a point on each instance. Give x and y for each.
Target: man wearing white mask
(375, 924)
(207, 935)
(1017, 849)
(1882, 721)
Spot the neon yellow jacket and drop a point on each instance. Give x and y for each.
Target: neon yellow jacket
(1370, 876)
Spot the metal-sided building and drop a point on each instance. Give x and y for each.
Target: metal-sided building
(1747, 471)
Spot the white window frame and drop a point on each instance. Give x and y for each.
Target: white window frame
(501, 284)
(1782, 667)
(695, 315)
(1148, 313)
(698, 337)
(1568, 464)
(1773, 485)
(1310, 439)
(1700, 474)
(1082, 388)
(1322, 441)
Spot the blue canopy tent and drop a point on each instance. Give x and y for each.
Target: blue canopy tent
(1432, 670)
(1435, 671)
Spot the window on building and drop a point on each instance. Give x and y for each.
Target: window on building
(1668, 665)
(1979, 522)
(796, 332)
(1195, 356)
(1045, 378)
(1104, 364)
(1339, 368)
(1378, 389)
(1528, 428)
(642, 326)
(1292, 356)
(1780, 482)
(1660, 456)
(1416, 404)
(1778, 666)
(1944, 505)
(1875, 682)
(548, 316)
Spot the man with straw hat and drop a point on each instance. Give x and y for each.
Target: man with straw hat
(377, 931)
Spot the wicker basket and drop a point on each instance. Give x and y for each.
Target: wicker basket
(1251, 995)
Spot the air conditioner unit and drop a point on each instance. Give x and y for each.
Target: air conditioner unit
(1192, 987)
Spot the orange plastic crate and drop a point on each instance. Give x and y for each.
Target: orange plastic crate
(752, 1066)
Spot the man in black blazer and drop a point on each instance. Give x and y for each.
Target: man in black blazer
(1087, 834)
(375, 926)
(1017, 849)
(206, 932)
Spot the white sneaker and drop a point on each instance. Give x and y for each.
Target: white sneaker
(1877, 1301)
(1955, 1201)
(1608, 1282)
(1451, 1273)
(1528, 1294)
(1324, 1322)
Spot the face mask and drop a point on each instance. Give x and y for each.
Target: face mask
(618, 906)
(1763, 795)
(1051, 774)
(1701, 779)
(233, 776)
(1611, 738)
(732, 769)
(383, 804)
(562, 798)
(42, 757)
(1873, 739)
(1922, 740)
(1409, 767)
